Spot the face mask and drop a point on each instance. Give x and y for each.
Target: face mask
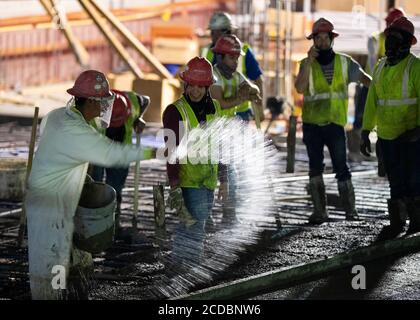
(106, 110)
(396, 48)
(326, 56)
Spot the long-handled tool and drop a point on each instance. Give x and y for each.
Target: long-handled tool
(22, 222)
(136, 191)
(256, 115)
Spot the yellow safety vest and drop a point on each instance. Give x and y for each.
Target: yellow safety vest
(379, 37)
(325, 103)
(397, 100)
(230, 89)
(196, 175)
(209, 55)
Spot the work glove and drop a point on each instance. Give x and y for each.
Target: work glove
(176, 202)
(365, 146)
(411, 135)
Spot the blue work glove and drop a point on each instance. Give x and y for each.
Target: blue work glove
(365, 146)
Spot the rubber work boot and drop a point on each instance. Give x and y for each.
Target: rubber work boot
(397, 211)
(319, 200)
(210, 225)
(413, 210)
(348, 200)
(185, 216)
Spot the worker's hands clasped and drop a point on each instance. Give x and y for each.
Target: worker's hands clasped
(365, 145)
(244, 91)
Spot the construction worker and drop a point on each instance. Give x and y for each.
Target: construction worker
(376, 42)
(392, 107)
(376, 50)
(192, 185)
(67, 145)
(232, 89)
(126, 116)
(221, 24)
(323, 80)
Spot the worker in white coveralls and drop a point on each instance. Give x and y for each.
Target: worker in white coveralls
(67, 145)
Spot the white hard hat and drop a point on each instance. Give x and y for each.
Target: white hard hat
(221, 21)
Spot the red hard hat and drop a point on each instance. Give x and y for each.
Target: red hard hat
(322, 25)
(90, 84)
(402, 24)
(121, 109)
(228, 44)
(393, 14)
(198, 71)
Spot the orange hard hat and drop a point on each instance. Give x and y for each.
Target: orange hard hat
(322, 25)
(393, 14)
(91, 84)
(228, 44)
(198, 71)
(402, 24)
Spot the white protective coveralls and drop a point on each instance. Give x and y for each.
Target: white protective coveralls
(67, 144)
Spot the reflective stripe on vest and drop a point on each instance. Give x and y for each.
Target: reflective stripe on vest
(135, 113)
(229, 88)
(196, 175)
(208, 54)
(326, 102)
(405, 99)
(328, 95)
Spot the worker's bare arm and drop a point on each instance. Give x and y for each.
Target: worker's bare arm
(216, 92)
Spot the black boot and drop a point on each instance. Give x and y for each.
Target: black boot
(413, 210)
(397, 216)
(319, 200)
(348, 199)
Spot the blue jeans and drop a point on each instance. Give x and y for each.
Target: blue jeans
(333, 136)
(115, 177)
(188, 242)
(402, 165)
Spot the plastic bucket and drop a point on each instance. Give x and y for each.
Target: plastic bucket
(12, 178)
(94, 219)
